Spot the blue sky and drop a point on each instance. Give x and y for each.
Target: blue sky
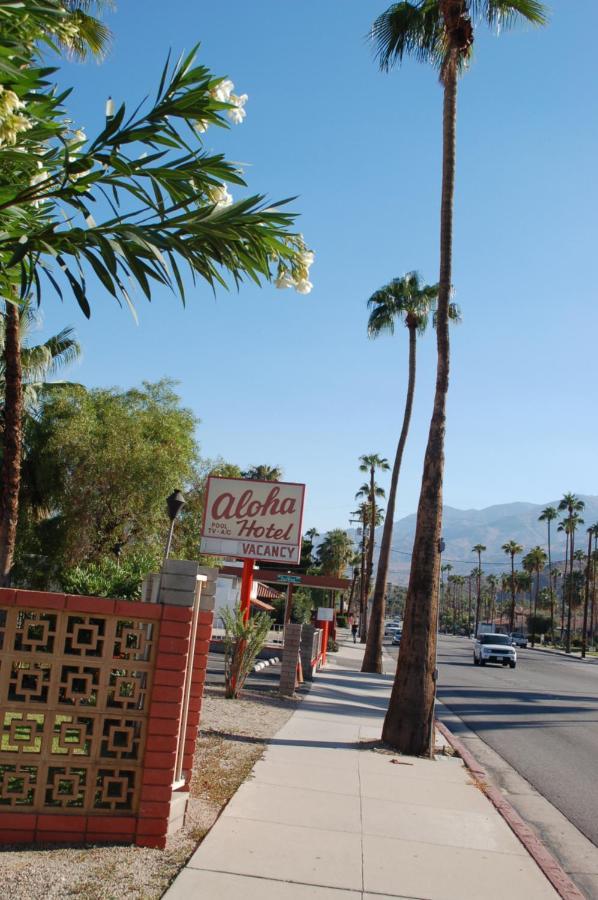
(292, 380)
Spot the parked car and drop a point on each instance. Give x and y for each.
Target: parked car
(519, 639)
(390, 628)
(396, 639)
(494, 648)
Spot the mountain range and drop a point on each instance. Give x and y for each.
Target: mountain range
(492, 527)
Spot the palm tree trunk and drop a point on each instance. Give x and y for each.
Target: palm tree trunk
(535, 606)
(586, 599)
(570, 592)
(370, 558)
(362, 586)
(564, 587)
(13, 439)
(372, 659)
(512, 619)
(408, 725)
(550, 586)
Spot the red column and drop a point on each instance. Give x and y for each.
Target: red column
(246, 586)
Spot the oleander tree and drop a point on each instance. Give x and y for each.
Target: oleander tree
(139, 203)
(440, 33)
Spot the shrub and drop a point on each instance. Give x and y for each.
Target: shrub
(341, 621)
(332, 646)
(109, 579)
(242, 643)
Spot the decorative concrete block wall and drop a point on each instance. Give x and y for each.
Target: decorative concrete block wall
(99, 709)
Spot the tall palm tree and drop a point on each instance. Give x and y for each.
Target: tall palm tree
(371, 463)
(512, 549)
(492, 581)
(479, 549)
(572, 505)
(535, 561)
(554, 577)
(448, 569)
(548, 515)
(405, 299)
(364, 514)
(39, 362)
(523, 584)
(591, 531)
(594, 569)
(335, 552)
(409, 301)
(439, 32)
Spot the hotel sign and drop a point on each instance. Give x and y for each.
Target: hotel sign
(253, 519)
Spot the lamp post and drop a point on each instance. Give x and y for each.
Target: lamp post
(174, 504)
(117, 550)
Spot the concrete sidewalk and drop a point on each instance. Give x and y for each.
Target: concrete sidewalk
(323, 818)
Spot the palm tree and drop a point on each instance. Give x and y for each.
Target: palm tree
(409, 301)
(572, 505)
(594, 568)
(479, 549)
(523, 584)
(263, 473)
(363, 512)
(335, 552)
(371, 463)
(39, 362)
(591, 531)
(512, 549)
(535, 561)
(448, 569)
(492, 581)
(439, 32)
(548, 515)
(554, 576)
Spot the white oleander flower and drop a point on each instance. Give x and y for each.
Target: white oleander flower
(220, 196)
(284, 280)
(304, 286)
(9, 102)
(11, 126)
(306, 258)
(223, 91)
(237, 114)
(201, 125)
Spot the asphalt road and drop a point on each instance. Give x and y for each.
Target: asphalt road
(541, 717)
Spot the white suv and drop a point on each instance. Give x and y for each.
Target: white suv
(494, 648)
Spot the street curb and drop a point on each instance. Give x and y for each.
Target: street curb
(264, 663)
(546, 862)
(591, 660)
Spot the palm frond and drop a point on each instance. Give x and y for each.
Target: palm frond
(409, 29)
(508, 13)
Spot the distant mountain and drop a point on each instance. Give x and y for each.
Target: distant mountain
(493, 527)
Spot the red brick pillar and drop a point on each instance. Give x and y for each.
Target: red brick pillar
(202, 647)
(165, 713)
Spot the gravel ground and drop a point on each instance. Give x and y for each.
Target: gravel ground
(232, 738)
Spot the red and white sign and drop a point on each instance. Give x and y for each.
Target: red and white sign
(253, 519)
